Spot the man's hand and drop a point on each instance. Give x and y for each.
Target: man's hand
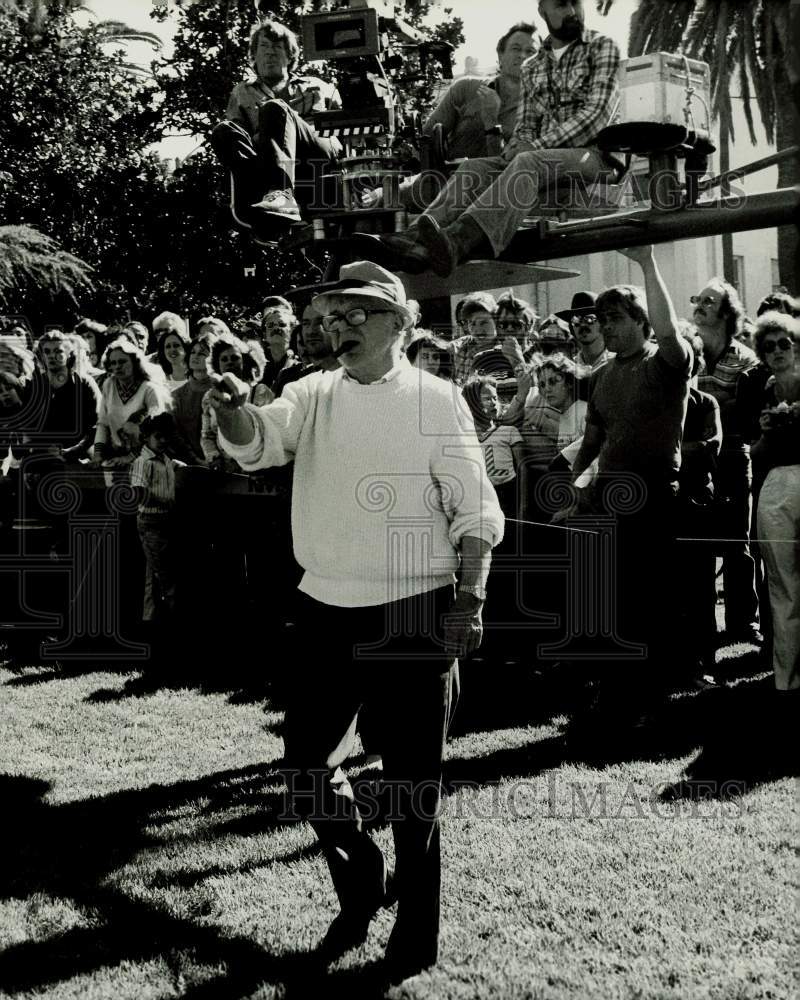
(642, 255)
(488, 105)
(514, 147)
(229, 394)
(512, 351)
(304, 102)
(336, 147)
(463, 626)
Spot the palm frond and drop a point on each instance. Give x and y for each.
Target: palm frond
(32, 263)
(109, 31)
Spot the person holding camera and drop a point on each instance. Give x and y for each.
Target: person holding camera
(265, 138)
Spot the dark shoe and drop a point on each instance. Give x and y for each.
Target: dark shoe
(442, 251)
(350, 928)
(448, 247)
(279, 203)
(404, 959)
(398, 251)
(347, 930)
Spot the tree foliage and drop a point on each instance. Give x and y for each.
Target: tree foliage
(74, 161)
(34, 265)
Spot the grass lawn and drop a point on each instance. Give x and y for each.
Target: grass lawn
(145, 856)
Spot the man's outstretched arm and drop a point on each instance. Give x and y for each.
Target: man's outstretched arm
(663, 319)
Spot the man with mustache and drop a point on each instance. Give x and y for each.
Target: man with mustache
(569, 90)
(718, 315)
(582, 318)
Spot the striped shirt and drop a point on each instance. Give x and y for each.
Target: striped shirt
(498, 442)
(156, 474)
(720, 379)
(565, 102)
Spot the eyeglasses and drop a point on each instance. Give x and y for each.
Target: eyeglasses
(353, 317)
(510, 324)
(783, 343)
(705, 302)
(577, 318)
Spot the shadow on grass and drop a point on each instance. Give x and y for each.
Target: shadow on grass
(70, 850)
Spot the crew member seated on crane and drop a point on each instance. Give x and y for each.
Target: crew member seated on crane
(265, 139)
(477, 115)
(569, 92)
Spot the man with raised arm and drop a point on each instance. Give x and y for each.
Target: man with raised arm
(634, 427)
(390, 499)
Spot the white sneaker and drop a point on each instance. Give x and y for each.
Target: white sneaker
(280, 203)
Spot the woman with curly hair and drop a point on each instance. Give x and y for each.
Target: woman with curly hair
(133, 390)
(246, 360)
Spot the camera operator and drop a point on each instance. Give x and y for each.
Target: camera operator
(265, 139)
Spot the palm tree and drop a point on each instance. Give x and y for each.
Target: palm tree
(33, 266)
(33, 15)
(745, 43)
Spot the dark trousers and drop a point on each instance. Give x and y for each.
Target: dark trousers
(389, 658)
(646, 577)
(291, 154)
(734, 480)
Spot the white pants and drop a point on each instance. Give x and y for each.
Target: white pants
(779, 540)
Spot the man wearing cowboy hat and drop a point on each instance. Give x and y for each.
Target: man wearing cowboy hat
(582, 319)
(390, 499)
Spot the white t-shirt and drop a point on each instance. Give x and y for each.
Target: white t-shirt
(558, 53)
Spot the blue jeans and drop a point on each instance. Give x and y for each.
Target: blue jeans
(499, 195)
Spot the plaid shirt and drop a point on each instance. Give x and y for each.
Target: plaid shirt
(565, 103)
(720, 381)
(464, 350)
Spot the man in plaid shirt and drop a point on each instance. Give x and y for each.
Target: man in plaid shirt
(569, 93)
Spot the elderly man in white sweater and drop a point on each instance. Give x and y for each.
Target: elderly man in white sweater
(390, 499)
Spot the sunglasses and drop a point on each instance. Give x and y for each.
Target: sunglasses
(706, 302)
(577, 318)
(510, 324)
(782, 343)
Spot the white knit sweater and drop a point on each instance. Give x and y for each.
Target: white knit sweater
(388, 478)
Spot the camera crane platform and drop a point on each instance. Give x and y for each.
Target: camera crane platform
(658, 125)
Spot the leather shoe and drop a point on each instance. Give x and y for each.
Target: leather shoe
(403, 960)
(442, 251)
(398, 251)
(350, 928)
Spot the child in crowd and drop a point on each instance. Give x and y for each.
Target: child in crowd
(153, 474)
(502, 444)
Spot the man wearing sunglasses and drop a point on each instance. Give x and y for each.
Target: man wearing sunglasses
(585, 326)
(390, 499)
(718, 314)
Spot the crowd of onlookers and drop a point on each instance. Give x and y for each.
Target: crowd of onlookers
(131, 401)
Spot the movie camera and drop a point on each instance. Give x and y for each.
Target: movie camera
(370, 47)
